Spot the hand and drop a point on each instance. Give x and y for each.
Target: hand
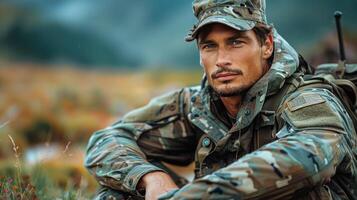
(156, 184)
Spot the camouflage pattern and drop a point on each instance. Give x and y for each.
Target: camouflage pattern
(312, 146)
(106, 193)
(238, 14)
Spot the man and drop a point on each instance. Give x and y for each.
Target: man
(253, 130)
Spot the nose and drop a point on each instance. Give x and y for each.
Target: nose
(223, 58)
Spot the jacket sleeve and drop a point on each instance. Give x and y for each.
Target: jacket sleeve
(120, 155)
(316, 138)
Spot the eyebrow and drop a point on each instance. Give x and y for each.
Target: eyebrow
(204, 41)
(240, 34)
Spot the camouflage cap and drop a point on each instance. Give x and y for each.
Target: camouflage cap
(238, 14)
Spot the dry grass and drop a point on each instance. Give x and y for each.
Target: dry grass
(59, 108)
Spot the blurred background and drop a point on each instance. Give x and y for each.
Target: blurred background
(70, 67)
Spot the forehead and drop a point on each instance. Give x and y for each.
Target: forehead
(217, 28)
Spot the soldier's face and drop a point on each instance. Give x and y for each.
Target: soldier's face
(233, 60)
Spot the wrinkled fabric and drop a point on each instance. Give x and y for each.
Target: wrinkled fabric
(238, 14)
(314, 144)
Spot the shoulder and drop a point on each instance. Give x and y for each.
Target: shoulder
(172, 103)
(313, 108)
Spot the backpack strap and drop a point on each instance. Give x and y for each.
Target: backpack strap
(351, 91)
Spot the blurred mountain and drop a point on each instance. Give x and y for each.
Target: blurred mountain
(149, 33)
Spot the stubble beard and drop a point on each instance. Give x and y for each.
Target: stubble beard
(229, 91)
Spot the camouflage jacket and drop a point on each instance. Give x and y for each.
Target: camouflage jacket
(311, 141)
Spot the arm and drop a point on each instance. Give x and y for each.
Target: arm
(313, 142)
(118, 156)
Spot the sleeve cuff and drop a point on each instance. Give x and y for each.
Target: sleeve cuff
(132, 178)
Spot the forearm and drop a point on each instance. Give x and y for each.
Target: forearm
(118, 156)
(116, 161)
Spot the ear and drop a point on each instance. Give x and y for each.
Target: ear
(268, 46)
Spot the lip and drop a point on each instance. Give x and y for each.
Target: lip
(226, 76)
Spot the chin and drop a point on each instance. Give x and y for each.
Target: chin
(229, 91)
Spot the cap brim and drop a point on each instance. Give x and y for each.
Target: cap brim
(233, 22)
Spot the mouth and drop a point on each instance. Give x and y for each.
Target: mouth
(226, 76)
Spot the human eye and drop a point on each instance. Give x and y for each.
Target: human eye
(236, 42)
(208, 46)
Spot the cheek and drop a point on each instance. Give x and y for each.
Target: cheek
(208, 63)
(250, 63)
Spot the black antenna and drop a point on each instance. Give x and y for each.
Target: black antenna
(341, 68)
(338, 15)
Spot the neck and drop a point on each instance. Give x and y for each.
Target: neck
(232, 104)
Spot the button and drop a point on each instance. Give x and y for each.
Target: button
(247, 112)
(206, 142)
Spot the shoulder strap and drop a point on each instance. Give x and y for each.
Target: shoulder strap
(351, 90)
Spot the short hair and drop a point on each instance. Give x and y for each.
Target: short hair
(262, 31)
